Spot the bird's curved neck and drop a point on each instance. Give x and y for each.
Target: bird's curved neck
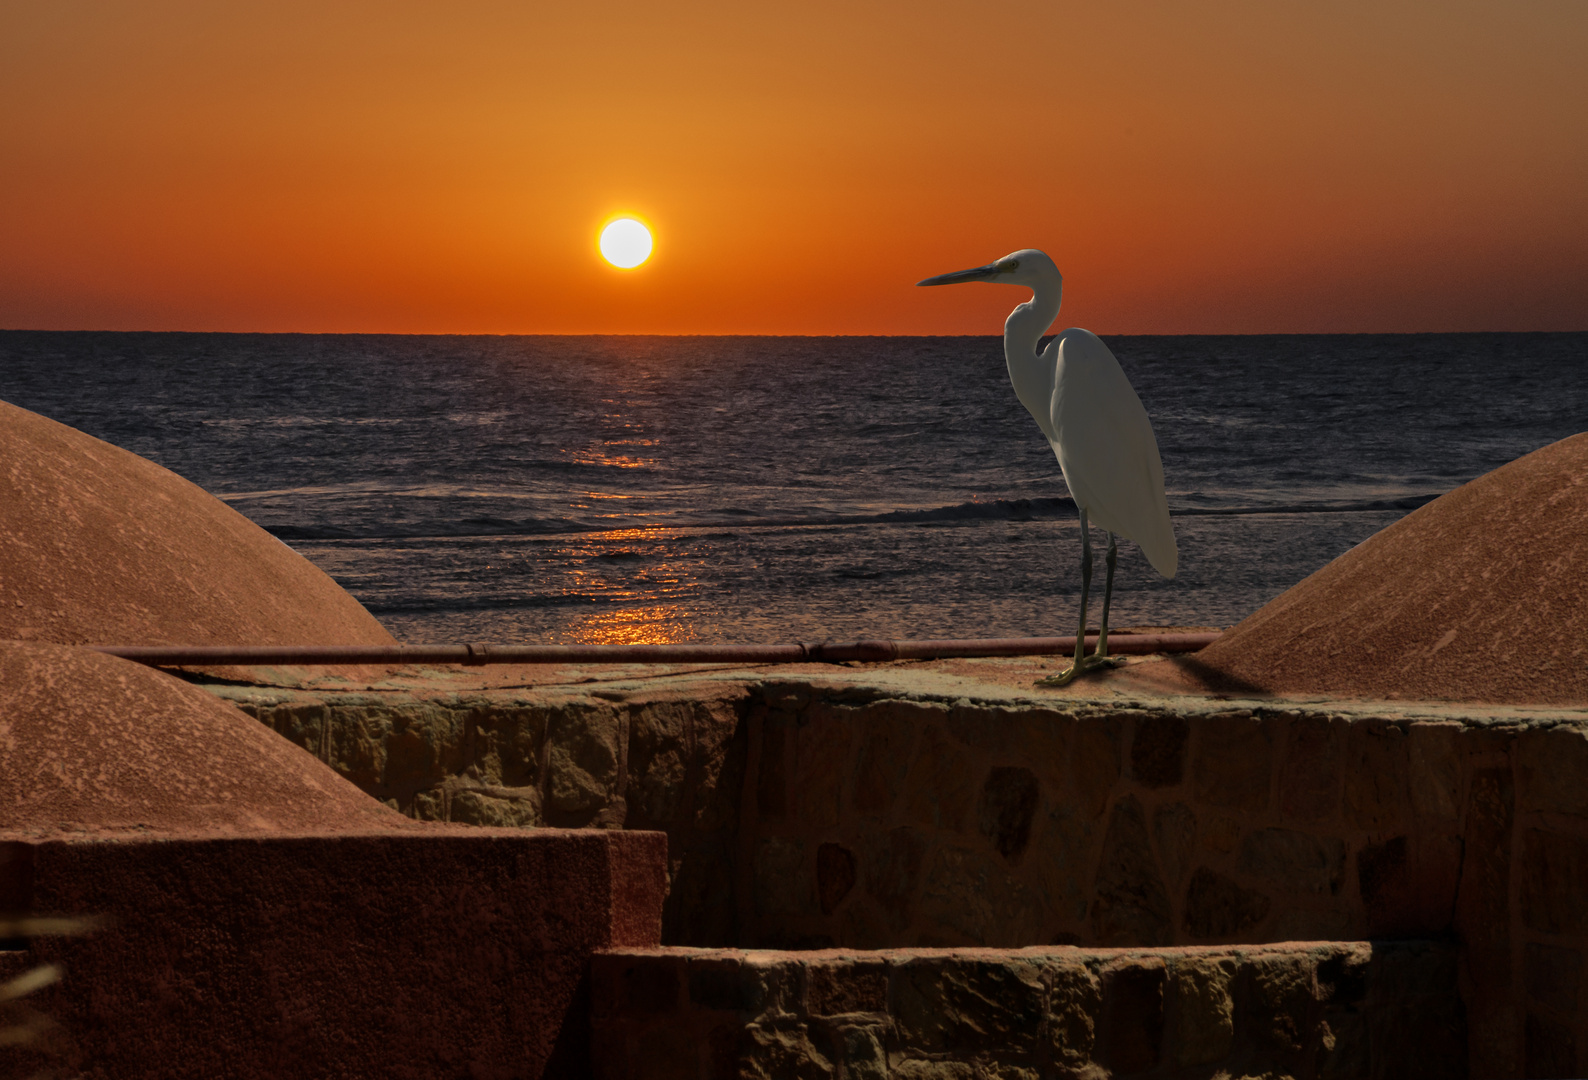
(1032, 379)
(1028, 322)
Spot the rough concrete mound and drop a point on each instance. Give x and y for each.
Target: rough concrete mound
(100, 546)
(1481, 595)
(90, 744)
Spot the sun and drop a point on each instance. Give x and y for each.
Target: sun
(625, 243)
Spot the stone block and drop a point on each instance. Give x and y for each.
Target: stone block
(1174, 826)
(1553, 764)
(940, 785)
(1551, 1048)
(1434, 770)
(658, 761)
(965, 1007)
(1309, 783)
(1130, 905)
(1131, 1039)
(1075, 1002)
(1004, 812)
(776, 1052)
(774, 985)
(928, 1069)
(1375, 776)
(890, 865)
(838, 986)
(863, 1048)
(424, 748)
(582, 759)
(1218, 908)
(479, 808)
(835, 876)
(1555, 882)
(885, 747)
(1552, 975)
(1234, 761)
(1094, 763)
(357, 746)
(1204, 1010)
(1279, 1015)
(971, 898)
(1157, 751)
(508, 742)
(1288, 860)
(822, 760)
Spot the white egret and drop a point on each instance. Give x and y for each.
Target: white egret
(1084, 404)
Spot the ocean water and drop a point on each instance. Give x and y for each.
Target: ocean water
(760, 489)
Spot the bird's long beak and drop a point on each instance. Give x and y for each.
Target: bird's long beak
(980, 273)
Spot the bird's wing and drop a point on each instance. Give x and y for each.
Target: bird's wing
(1106, 448)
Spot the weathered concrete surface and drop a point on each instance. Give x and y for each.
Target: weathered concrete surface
(101, 546)
(1481, 595)
(1385, 1009)
(444, 953)
(90, 744)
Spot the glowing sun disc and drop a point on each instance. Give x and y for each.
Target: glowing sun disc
(625, 243)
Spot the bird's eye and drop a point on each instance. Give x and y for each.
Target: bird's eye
(1015, 265)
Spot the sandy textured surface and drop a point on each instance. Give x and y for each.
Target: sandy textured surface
(101, 546)
(92, 744)
(1481, 595)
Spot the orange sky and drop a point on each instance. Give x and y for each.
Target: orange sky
(1208, 167)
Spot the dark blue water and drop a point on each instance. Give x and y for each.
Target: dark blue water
(562, 489)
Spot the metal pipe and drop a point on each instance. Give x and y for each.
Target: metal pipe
(810, 652)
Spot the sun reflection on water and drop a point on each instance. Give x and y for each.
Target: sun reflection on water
(658, 624)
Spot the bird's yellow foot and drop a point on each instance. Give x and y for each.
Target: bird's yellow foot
(1087, 664)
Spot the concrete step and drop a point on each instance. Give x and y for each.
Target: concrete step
(1296, 1009)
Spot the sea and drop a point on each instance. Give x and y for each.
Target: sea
(773, 489)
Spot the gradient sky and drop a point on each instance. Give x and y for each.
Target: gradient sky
(1210, 167)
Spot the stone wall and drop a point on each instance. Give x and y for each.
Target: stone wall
(875, 821)
(669, 763)
(1312, 1010)
(808, 814)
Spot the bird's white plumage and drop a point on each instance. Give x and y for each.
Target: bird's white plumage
(1079, 396)
(1106, 448)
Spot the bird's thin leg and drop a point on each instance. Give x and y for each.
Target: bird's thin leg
(1108, 594)
(1064, 677)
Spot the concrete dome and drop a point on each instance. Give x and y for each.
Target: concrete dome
(1481, 595)
(92, 744)
(100, 546)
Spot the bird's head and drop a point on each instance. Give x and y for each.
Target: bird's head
(1028, 267)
